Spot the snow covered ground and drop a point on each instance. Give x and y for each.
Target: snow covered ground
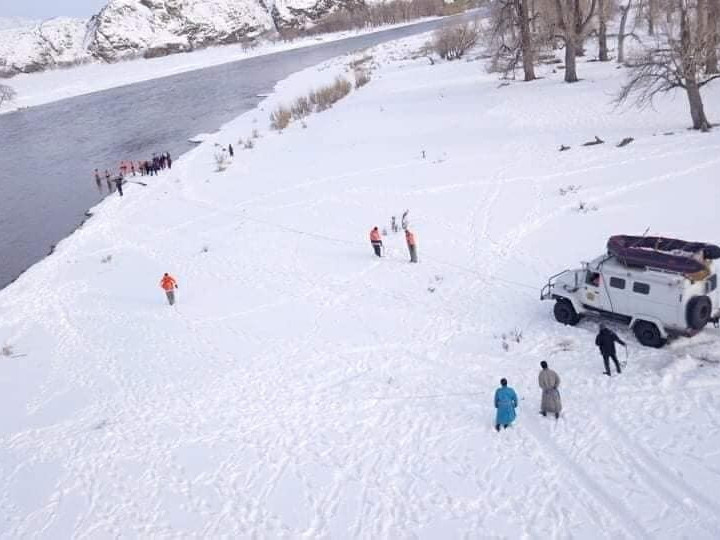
(303, 387)
(53, 85)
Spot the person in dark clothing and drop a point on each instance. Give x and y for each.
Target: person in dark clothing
(376, 241)
(132, 168)
(97, 180)
(404, 220)
(169, 160)
(605, 341)
(108, 180)
(230, 150)
(118, 183)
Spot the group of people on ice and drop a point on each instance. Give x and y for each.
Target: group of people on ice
(506, 400)
(377, 243)
(147, 167)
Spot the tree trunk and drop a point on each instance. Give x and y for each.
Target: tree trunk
(689, 69)
(697, 111)
(602, 33)
(711, 62)
(528, 56)
(702, 8)
(651, 17)
(570, 57)
(533, 18)
(621, 34)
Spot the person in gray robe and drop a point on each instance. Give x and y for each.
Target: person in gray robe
(549, 381)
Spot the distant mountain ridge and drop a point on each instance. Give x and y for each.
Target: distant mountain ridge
(134, 28)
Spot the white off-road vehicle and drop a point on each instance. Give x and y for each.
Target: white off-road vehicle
(658, 286)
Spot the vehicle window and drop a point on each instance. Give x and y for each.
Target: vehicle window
(711, 283)
(593, 278)
(642, 288)
(617, 283)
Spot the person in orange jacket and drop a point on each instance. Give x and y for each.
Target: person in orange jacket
(412, 246)
(376, 241)
(169, 285)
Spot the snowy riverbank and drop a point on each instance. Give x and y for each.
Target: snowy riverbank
(53, 85)
(302, 387)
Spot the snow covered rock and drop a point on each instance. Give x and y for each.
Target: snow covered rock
(133, 28)
(128, 28)
(56, 42)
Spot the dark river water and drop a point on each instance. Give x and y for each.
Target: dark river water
(48, 152)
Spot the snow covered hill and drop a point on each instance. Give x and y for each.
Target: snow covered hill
(303, 387)
(150, 28)
(128, 28)
(52, 43)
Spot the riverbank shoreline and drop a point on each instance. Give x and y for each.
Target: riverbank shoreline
(57, 84)
(107, 126)
(247, 122)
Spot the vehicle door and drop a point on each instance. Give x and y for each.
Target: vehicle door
(594, 289)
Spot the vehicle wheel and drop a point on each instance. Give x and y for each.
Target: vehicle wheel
(565, 313)
(699, 310)
(648, 334)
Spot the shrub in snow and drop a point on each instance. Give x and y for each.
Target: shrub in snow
(106, 259)
(515, 336)
(327, 96)
(359, 64)
(6, 350)
(7, 93)
(222, 159)
(301, 108)
(255, 134)
(584, 207)
(572, 188)
(362, 77)
(452, 42)
(249, 145)
(280, 118)
(205, 249)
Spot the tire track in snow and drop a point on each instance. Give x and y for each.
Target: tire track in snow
(664, 482)
(619, 513)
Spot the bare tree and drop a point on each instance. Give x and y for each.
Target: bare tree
(603, 9)
(651, 8)
(677, 63)
(573, 21)
(7, 93)
(713, 39)
(624, 12)
(451, 42)
(511, 37)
